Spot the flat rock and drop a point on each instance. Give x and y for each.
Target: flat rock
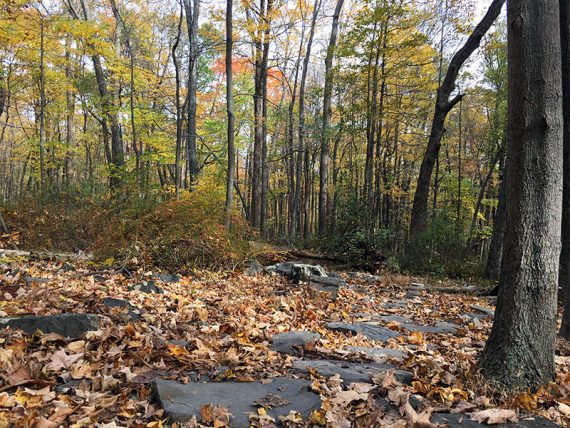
(331, 290)
(181, 402)
(67, 325)
(166, 277)
(148, 287)
(458, 420)
(378, 354)
(297, 271)
(329, 281)
(350, 372)
(366, 277)
(487, 311)
(293, 342)
(439, 327)
(371, 330)
(35, 280)
(394, 304)
(112, 303)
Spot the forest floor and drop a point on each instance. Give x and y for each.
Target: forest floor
(386, 351)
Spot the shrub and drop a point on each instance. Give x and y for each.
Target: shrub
(439, 249)
(176, 234)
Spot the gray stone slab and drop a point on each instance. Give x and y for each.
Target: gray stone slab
(439, 327)
(329, 281)
(459, 420)
(166, 277)
(181, 402)
(371, 330)
(378, 353)
(331, 290)
(293, 342)
(350, 372)
(148, 287)
(68, 325)
(487, 311)
(394, 304)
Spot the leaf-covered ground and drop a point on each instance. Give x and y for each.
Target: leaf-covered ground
(227, 321)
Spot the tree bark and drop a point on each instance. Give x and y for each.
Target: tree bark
(177, 174)
(443, 106)
(519, 354)
(192, 8)
(230, 112)
(327, 113)
(302, 149)
(564, 276)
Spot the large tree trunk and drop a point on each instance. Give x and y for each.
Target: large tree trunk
(327, 113)
(520, 351)
(443, 106)
(564, 276)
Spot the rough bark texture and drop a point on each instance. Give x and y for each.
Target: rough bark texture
(230, 111)
(302, 149)
(192, 20)
(520, 350)
(327, 113)
(564, 276)
(443, 106)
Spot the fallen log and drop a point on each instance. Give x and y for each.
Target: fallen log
(45, 255)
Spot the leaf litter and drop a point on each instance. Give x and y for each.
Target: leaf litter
(219, 326)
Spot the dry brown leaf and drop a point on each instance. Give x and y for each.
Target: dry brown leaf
(494, 416)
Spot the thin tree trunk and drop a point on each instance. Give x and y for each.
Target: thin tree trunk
(230, 112)
(327, 113)
(177, 174)
(42, 108)
(302, 149)
(519, 354)
(192, 19)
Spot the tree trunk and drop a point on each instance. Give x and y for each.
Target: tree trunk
(192, 8)
(302, 149)
(230, 112)
(70, 114)
(177, 175)
(327, 113)
(42, 108)
(564, 276)
(443, 106)
(519, 354)
(493, 267)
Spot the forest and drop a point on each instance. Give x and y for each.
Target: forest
(297, 213)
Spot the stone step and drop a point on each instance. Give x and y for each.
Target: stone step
(350, 372)
(183, 401)
(67, 325)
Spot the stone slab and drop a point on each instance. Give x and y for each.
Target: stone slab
(67, 325)
(181, 402)
(293, 342)
(350, 372)
(371, 330)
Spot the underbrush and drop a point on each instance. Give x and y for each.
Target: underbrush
(174, 234)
